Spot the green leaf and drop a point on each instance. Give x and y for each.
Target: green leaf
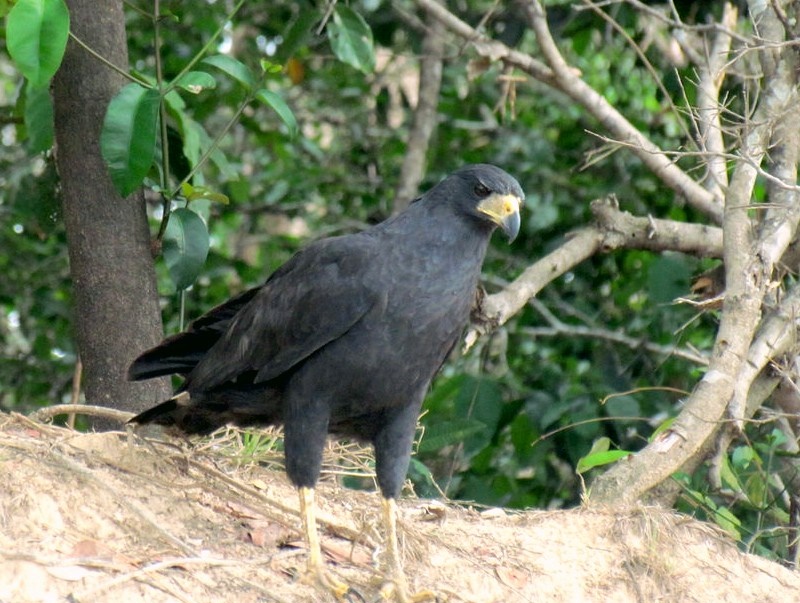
(297, 34)
(36, 36)
(193, 193)
(38, 118)
(351, 39)
(600, 458)
(664, 426)
(270, 68)
(196, 81)
(479, 399)
(600, 445)
(756, 489)
(277, 104)
(236, 69)
(185, 246)
(188, 128)
(728, 522)
(452, 432)
(728, 477)
(742, 456)
(128, 137)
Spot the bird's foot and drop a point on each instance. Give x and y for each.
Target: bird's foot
(397, 590)
(323, 579)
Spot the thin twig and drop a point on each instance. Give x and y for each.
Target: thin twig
(82, 409)
(124, 73)
(76, 390)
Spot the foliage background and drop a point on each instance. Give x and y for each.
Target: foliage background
(506, 424)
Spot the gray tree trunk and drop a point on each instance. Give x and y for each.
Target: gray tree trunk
(116, 313)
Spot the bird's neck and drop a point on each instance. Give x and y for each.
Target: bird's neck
(444, 227)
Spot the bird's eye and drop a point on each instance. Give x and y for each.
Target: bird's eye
(481, 190)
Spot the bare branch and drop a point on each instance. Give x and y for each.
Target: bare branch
(679, 24)
(560, 76)
(485, 46)
(779, 226)
(499, 307)
(559, 328)
(571, 84)
(49, 412)
(623, 230)
(430, 80)
(775, 337)
(712, 74)
(748, 267)
(614, 229)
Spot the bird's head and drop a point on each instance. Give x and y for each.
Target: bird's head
(490, 194)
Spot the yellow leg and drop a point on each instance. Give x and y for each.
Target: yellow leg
(397, 588)
(316, 564)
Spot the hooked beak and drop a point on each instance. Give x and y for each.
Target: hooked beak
(503, 210)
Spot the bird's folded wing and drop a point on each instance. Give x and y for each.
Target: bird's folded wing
(181, 352)
(310, 301)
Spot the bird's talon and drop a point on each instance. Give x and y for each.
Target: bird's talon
(394, 591)
(353, 596)
(320, 577)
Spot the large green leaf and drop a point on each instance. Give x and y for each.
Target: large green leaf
(128, 138)
(351, 39)
(297, 34)
(479, 399)
(236, 69)
(598, 459)
(36, 36)
(454, 431)
(185, 246)
(196, 81)
(38, 118)
(277, 104)
(188, 128)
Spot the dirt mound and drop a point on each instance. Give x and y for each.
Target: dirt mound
(106, 517)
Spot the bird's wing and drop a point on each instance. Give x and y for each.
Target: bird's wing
(181, 352)
(313, 299)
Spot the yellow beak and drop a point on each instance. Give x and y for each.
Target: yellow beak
(503, 210)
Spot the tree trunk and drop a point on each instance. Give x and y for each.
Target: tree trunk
(116, 301)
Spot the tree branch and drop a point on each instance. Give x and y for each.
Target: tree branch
(425, 114)
(748, 268)
(496, 309)
(613, 229)
(485, 46)
(623, 230)
(712, 74)
(561, 77)
(571, 84)
(559, 328)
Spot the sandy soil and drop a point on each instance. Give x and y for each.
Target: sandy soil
(110, 518)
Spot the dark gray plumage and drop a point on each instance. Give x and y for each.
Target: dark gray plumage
(345, 337)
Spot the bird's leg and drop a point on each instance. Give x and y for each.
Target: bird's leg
(397, 588)
(316, 564)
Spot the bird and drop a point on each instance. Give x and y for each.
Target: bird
(343, 339)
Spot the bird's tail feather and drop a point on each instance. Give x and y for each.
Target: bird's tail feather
(178, 354)
(201, 413)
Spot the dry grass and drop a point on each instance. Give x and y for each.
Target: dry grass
(109, 517)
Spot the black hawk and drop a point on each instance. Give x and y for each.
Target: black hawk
(343, 339)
